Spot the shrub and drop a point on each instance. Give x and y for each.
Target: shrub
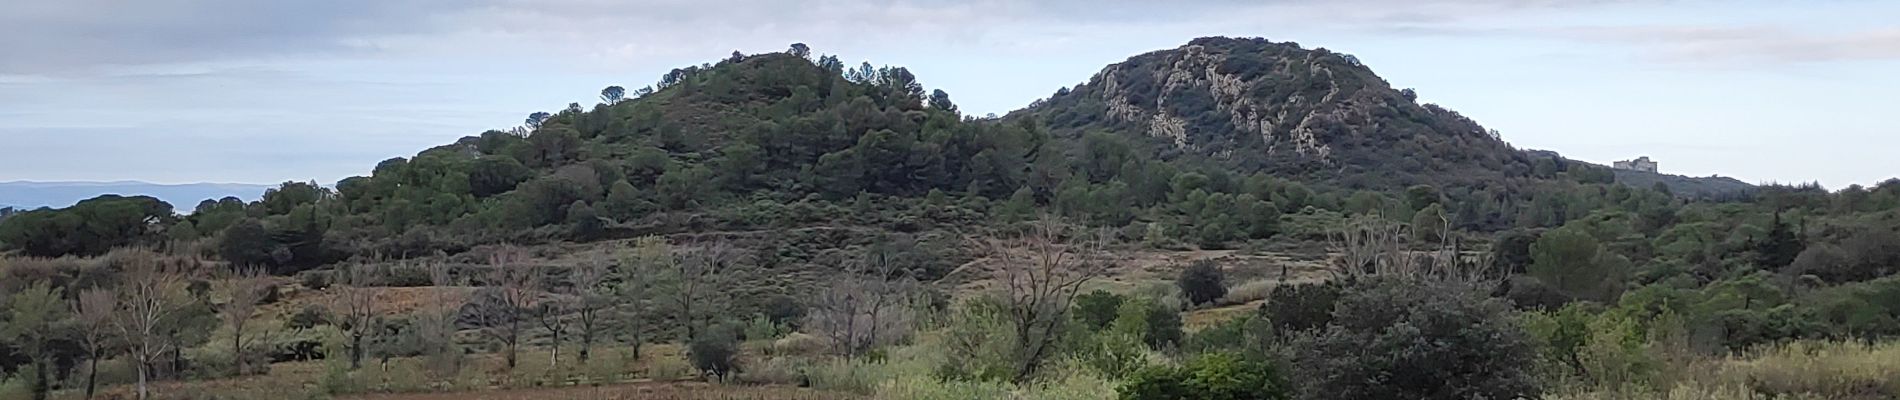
(927, 388)
(1249, 292)
(315, 280)
(978, 343)
(1407, 339)
(1249, 334)
(406, 276)
(1301, 307)
(1114, 355)
(775, 371)
(715, 353)
(1096, 309)
(1202, 282)
(798, 344)
(784, 310)
(848, 375)
(663, 368)
(1214, 376)
(1157, 325)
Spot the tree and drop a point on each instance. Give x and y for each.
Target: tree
(1096, 309)
(91, 227)
(247, 288)
(92, 317)
(549, 313)
(586, 221)
(151, 290)
(498, 309)
(689, 283)
(1157, 324)
(436, 329)
(1779, 248)
(1572, 262)
(594, 300)
(1428, 224)
(799, 50)
(246, 244)
(941, 101)
(1041, 269)
(715, 353)
(535, 120)
(867, 305)
(613, 95)
(33, 318)
(1202, 282)
(354, 308)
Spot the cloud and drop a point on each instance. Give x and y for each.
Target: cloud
(68, 37)
(1749, 44)
(83, 36)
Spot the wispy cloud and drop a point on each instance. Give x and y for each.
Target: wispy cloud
(1748, 44)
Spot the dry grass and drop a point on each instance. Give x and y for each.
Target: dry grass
(1832, 369)
(1198, 319)
(633, 391)
(1794, 371)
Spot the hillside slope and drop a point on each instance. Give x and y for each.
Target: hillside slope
(1276, 107)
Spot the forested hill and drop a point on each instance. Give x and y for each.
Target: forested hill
(1276, 107)
(1272, 141)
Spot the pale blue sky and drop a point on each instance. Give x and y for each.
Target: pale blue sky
(267, 91)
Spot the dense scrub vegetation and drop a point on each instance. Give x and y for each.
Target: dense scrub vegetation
(784, 219)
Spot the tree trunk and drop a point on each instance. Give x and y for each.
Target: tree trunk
(636, 347)
(40, 386)
(587, 340)
(511, 355)
(237, 351)
(92, 373)
(554, 353)
(144, 369)
(356, 351)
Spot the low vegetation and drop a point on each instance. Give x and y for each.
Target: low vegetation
(782, 226)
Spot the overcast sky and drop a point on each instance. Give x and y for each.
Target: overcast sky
(266, 91)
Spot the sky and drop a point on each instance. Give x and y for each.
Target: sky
(175, 91)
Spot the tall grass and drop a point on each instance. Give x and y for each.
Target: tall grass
(1792, 371)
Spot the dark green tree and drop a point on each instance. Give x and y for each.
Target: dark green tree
(1202, 282)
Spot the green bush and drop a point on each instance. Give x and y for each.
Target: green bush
(1301, 307)
(1416, 340)
(1158, 325)
(1096, 309)
(1214, 376)
(715, 353)
(1202, 282)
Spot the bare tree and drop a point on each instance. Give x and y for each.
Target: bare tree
(689, 282)
(498, 309)
(247, 288)
(435, 329)
(593, 300)
(1041, 269)
(867, 305)
(92, 315)
(354, 307)
(551, 312)
(634, 295)
(1373, 246)
(152, 289)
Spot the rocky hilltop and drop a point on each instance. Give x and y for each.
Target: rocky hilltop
(1262, 105)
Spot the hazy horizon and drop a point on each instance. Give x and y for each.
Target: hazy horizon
(231, 91)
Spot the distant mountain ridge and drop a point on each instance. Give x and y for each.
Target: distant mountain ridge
(31, 194)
